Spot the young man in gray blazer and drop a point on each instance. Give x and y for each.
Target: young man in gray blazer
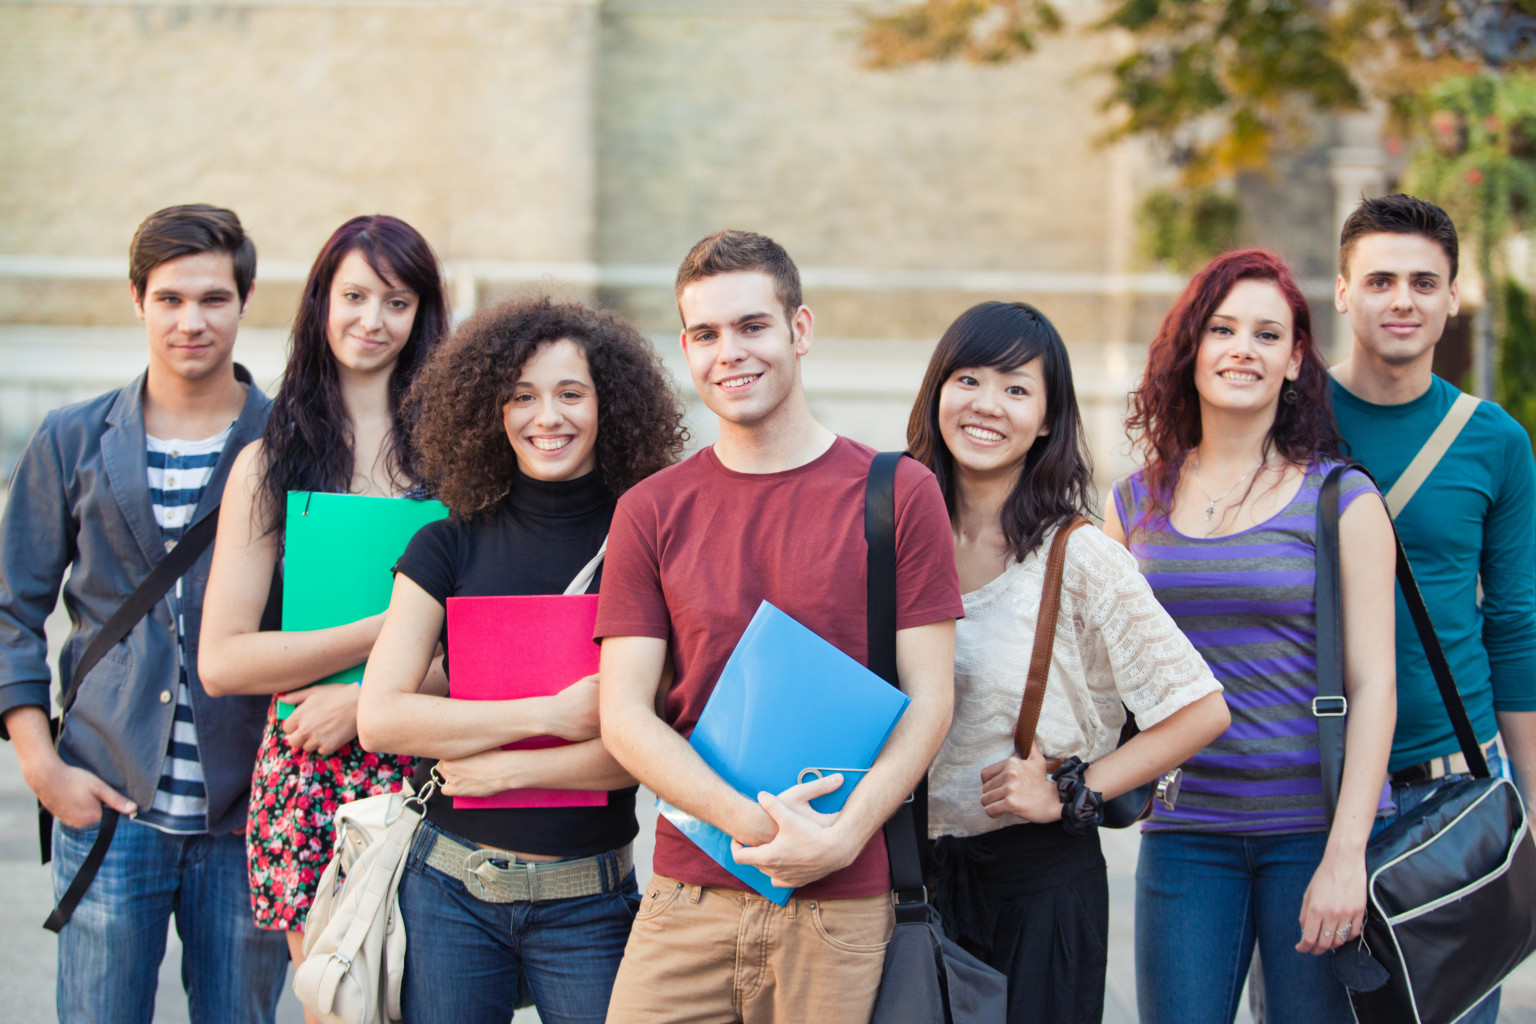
(105, 489)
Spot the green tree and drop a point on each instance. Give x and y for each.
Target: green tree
(1477, 159)
(1517, 363)
(1220, 86)
(1217, 86)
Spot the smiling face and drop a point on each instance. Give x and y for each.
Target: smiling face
(1398, 295)
(1247, 349)
(370, 317)
(990, 418)
(191, 312)
(551, 418)
(743, 355)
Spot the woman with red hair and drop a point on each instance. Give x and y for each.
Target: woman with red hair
(1233, 423)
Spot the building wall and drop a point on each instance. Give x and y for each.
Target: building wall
(472, 121)
(579, 146)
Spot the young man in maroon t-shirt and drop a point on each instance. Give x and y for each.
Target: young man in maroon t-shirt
(774, 510)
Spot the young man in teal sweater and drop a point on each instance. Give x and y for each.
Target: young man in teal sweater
(1473, 519)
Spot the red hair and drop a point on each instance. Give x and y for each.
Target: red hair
(1164, 422)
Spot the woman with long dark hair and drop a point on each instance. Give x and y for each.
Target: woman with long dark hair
(372, 310)
(536, 416)
(1233, 422)
(1021, 878)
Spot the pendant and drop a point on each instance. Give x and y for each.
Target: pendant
(1210, 512)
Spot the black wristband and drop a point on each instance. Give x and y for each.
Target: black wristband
(1082, 809)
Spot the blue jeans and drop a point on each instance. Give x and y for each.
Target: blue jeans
(1407, 797)
(110, 951)
(1202, 901)
(466, 959)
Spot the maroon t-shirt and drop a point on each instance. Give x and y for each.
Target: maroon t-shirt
(695, 549)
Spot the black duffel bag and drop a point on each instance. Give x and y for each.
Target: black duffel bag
(1451, 884)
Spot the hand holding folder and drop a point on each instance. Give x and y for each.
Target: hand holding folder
(339, 551)
(788, 707)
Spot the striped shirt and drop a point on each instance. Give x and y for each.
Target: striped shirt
(178, 473)
(1247, 603)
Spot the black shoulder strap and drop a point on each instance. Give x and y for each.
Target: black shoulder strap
(1330, 643)
(908, 894)
(1328, 602)
(880, 535)
(144, 597)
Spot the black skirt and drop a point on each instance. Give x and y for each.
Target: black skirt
(1032, 901)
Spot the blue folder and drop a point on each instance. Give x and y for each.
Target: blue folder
(788, 706)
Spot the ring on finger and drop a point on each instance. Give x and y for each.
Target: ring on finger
(1344, 930)
(1327, 934)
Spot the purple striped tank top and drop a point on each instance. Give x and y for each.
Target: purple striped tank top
(1246, 601)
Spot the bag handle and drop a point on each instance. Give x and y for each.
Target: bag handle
(1045, 639)
(1330, 643)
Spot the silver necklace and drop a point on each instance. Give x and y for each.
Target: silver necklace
(1210, 510)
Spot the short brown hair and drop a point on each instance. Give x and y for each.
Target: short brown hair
(732, 251)
(1398, 214)
(178, 231)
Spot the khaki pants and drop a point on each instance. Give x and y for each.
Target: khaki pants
(718, 956)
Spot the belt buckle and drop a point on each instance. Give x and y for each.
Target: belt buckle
(476, 882)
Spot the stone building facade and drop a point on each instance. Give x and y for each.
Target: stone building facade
(582, 146)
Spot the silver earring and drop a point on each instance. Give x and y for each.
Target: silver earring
(1288, 396)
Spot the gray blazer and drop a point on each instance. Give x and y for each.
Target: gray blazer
(80, 497)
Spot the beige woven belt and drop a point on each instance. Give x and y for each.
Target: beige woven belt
(483, 874)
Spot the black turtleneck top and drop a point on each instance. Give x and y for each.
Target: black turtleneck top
(535, 542)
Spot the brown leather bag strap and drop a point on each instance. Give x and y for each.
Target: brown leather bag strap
(1045, 640)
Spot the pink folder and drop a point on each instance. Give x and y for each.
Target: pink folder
(501, 648)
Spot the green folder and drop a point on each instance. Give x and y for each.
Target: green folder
(338, 553)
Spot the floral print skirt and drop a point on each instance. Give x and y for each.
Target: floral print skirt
(291, 829)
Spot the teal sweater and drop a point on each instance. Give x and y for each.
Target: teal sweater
(1474, 516)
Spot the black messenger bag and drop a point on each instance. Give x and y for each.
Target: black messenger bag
(1451, 884)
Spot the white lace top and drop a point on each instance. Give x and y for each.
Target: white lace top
(1114, 645)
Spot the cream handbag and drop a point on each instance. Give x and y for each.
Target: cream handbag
(354, 939)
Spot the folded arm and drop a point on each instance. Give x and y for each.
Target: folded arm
(584, 765)
(808, 846)
(396, 714)
(632, 672)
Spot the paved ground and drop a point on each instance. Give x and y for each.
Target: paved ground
(27, 952)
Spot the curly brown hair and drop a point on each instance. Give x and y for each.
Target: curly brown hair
(462, 451)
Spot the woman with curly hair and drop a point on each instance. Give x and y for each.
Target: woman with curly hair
(372, 310)
(1024, 888)
(536, 416)
(1233, 420)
